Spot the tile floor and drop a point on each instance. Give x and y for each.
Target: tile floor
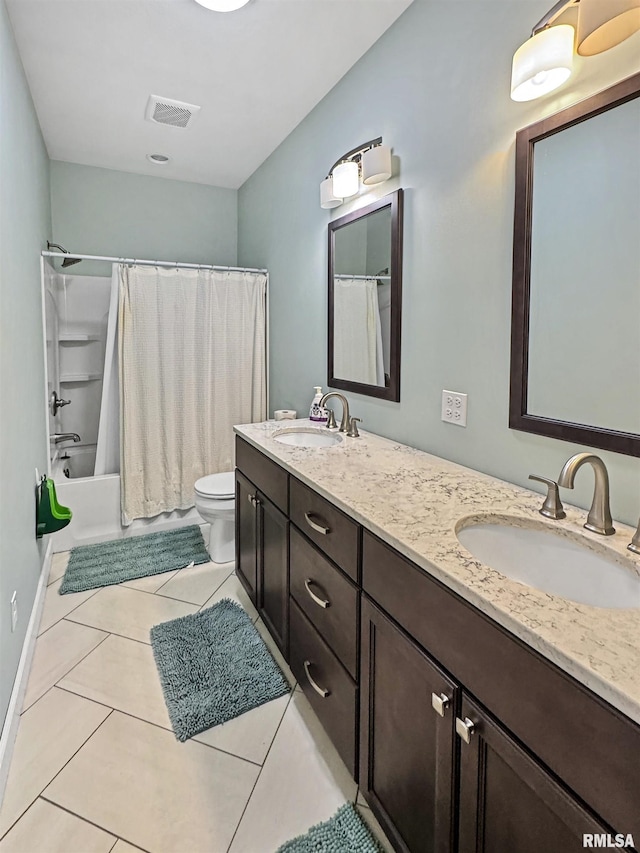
(97, 769)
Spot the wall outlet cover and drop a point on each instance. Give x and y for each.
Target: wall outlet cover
(454, 408)
(14, 610)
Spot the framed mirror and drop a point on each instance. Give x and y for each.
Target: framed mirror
(365, 299)
(575, 329)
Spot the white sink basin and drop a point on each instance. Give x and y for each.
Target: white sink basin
(554, 563)
(307, 437)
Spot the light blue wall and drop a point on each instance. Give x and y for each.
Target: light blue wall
(105, 212)
(24, 227)
(436, 87)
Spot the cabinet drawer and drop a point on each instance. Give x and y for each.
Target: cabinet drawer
(331, 530)
(317, 670)
(313, 577)
(588, 744)
(270, 478)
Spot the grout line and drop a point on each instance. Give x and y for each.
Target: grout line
(79, 604)
(97, 825)
(264, 763)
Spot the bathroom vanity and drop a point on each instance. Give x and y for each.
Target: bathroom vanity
(477, 713)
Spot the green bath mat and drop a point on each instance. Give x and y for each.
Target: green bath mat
(213, 666)
(107, 563)
(345, 832)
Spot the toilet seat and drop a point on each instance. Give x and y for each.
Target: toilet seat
(220, 487)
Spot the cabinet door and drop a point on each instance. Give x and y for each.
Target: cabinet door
(246, 536)
(273, 571)
(508, 802)
(407, 740)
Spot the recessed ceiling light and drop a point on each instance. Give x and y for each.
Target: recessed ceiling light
(158, 159)
(222, 5)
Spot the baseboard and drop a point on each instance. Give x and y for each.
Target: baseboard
(10, 728)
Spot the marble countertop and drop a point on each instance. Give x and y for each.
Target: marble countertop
(416, 502)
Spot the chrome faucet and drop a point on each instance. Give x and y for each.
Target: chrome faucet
(634, 545)
(65, 436)
(599, 517)
(345, 423)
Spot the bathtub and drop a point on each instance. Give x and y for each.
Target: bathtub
(95, 503)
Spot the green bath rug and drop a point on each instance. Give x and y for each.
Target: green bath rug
(107, 563)
(345, 832)
(213, 666)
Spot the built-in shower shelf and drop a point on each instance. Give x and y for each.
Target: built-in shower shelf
(79, 377)
(73, 338)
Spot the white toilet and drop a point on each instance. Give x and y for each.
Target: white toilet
(215, 501)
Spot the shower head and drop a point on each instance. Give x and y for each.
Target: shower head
(67, 262)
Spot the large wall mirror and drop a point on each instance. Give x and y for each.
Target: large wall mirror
(365, 299)
(575, 342)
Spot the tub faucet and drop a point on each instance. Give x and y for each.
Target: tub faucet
(346, 420)
(634, 545)
(65, 436)
(599, 517)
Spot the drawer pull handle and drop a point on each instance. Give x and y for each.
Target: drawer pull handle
(321, 602)
(319, 690)
(464, 729)
(319, 528)
(252, 499)
(440, 703)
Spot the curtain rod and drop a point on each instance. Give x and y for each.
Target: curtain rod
(148, 263)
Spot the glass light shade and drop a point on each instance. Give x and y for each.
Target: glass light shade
(602, 24)
(376, 165)
(222, 5)
(346, 180)
(542, 63)
(327, 198)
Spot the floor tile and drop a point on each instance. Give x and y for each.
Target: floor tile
(151, 583)
(233, 589)
(376, 830)
(56, 652)
(49, 734)
(129, 612)
(47, 829)
(58, 566)
(160, 794)
(303, 782)
(121, 673)
(251, 734)
(196, 584)
(57, 606)
(360, 800)
(124, 847)
(275, 651)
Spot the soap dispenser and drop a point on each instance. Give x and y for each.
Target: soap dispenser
(317, 412)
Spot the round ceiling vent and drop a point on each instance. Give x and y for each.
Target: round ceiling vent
(158, 159)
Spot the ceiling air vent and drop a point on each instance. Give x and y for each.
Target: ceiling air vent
(167, 111)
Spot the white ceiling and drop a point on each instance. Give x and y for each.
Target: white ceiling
(256, 72)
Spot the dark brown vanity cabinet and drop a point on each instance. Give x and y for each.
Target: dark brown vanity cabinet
(262, 541)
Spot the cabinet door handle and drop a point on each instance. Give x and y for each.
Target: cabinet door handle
(321, 602)
(465, 728)
(440, 703)
(319, 528)
(252, 499)
(319, 690)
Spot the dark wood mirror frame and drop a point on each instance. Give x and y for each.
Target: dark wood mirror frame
(519, 418)
(391, 391)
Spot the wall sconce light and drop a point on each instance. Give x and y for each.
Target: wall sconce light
(545, 61)
(370, 162)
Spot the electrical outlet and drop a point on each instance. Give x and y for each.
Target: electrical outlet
(14, 610)
(454, 408)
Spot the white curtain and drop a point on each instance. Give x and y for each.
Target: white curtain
(192, 364)
(108, 447)
(357, 333)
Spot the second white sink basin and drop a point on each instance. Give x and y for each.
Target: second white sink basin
(307, 437)
(554, 563)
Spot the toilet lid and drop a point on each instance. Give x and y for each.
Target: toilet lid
(220, 486)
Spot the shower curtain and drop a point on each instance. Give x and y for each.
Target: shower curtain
(192, 364)
(108, 446)
(357, 332)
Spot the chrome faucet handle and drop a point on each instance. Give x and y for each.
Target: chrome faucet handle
(331, 420)
(353, 428)
(634, 545)
(552, 506)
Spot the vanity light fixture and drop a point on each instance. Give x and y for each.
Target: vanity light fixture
(222, 5)
(369, 163)
(545, 61)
